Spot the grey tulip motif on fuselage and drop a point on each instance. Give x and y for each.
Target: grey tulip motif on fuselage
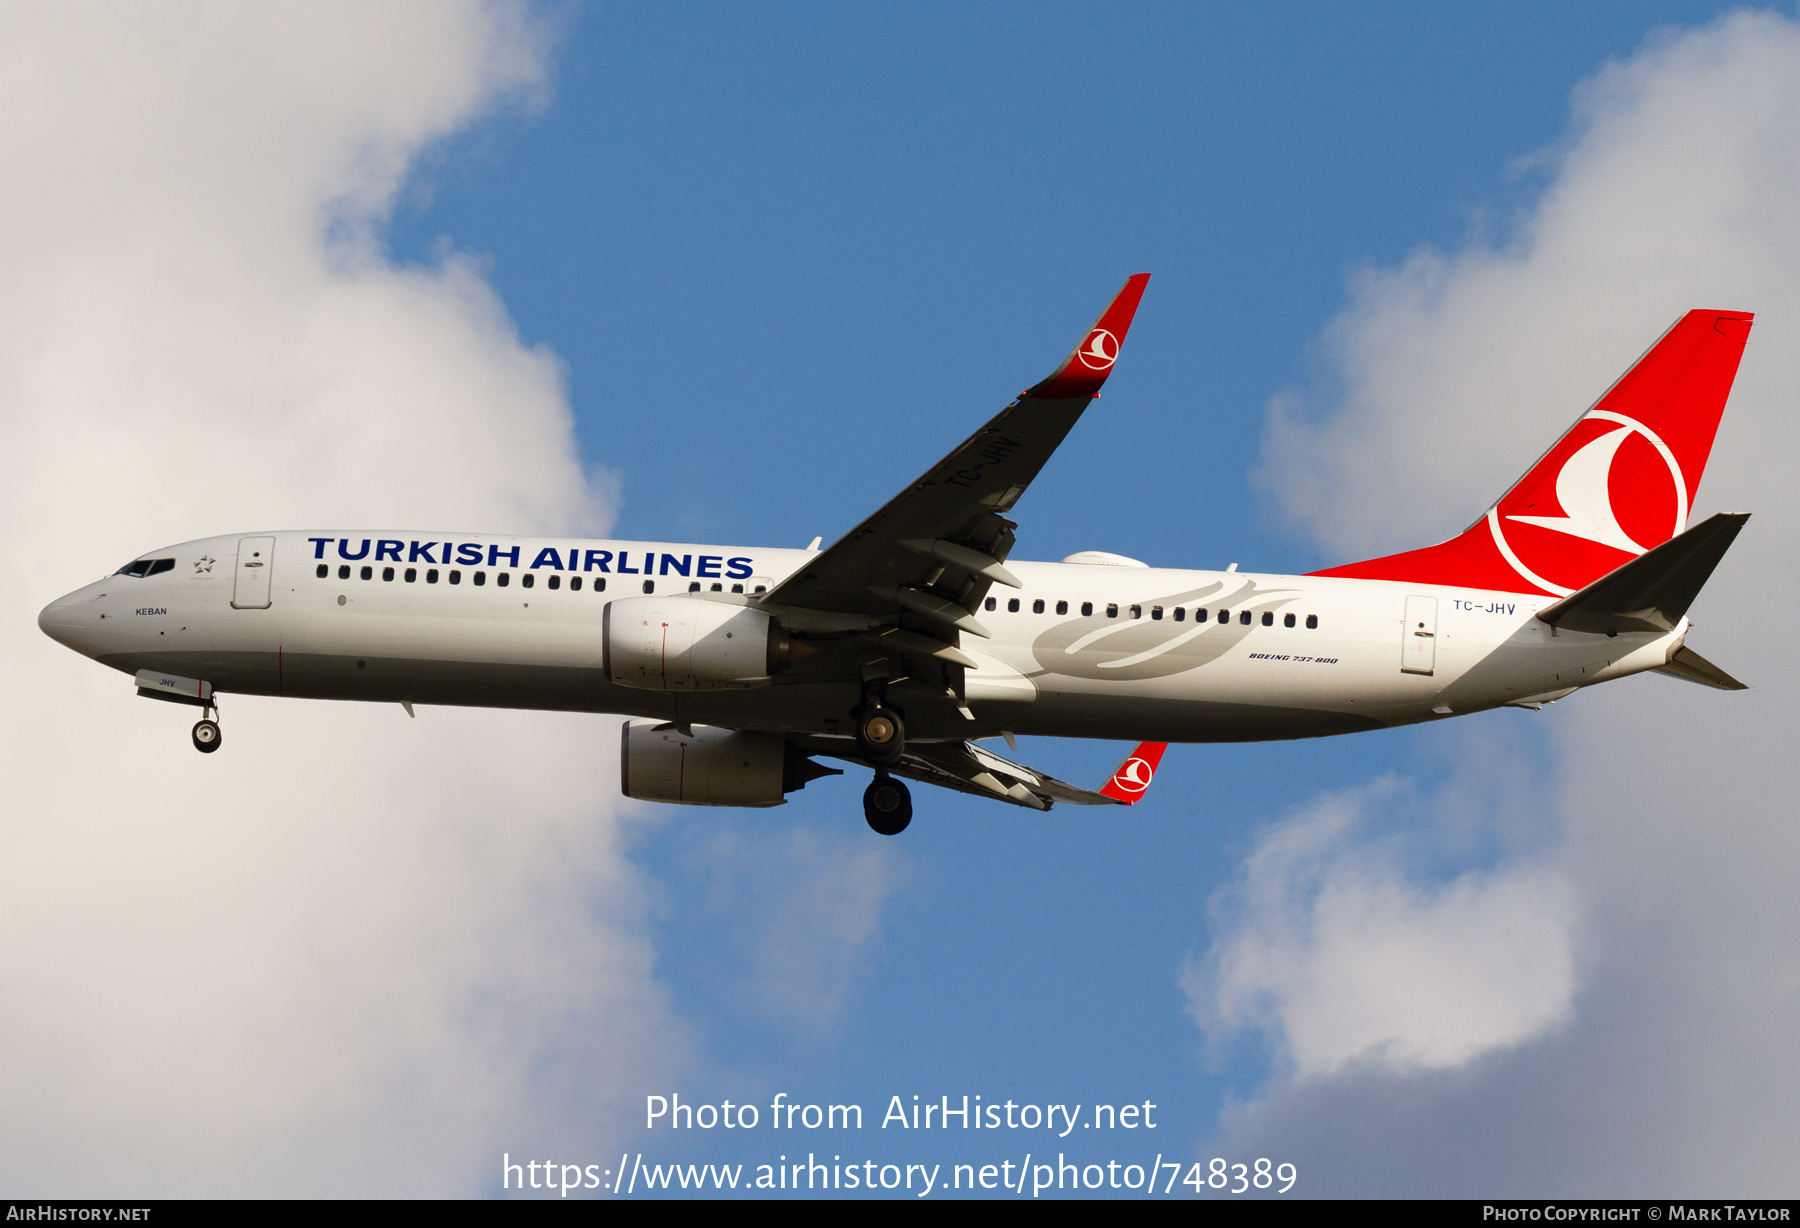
(1129, 648)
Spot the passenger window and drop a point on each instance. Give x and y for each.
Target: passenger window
(1012, 605)
(1180, 613)
(527, 580)
(503, 578)
(1137, 611)
(649, 586)
(412, 575)
(1062, 607)
(1312, 622)
(1155, 613)
(737, 588)
(1287, 620)
(991, 604)
(1224, 617)
(694, 587)
(456, 577)
(1037, 607)
(368, 573)
(387, 573)
(762, 588)
(599, 584)
(574, 584)
(718, 588)
(1244, 617)
(553, 582)
(162, 565)
(324, 570)
(1112, 609)
(480, 578)
(344, 571)
(431, 576)
(1087, 609)
(1268, 618)
(1199, 616)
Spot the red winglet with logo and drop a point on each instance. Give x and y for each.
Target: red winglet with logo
(1089, 363)
(1134, 775)
(1620, 482)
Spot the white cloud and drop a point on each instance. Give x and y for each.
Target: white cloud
(1327, 941)
(805, 910)
(350, 953)
(1679, 1067)
(1458, 370)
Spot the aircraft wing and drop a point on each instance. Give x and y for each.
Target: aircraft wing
(969, 768)
(929, 555)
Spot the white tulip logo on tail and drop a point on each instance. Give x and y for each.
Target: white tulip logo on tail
(1655, 502)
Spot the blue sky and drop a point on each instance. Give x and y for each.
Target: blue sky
(791, 254)
(782, 229)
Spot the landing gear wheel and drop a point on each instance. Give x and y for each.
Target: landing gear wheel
(887, 805)
(881, 735)
(207, 737)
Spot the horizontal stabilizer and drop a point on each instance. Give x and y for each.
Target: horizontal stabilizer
(1653, 591)
(1690, 666)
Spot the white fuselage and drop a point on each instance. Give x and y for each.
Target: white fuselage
(514, 630)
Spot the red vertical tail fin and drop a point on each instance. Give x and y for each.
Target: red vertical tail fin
(1618, 483)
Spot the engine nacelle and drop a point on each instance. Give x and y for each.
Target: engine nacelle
(690, 644)
(710, 767)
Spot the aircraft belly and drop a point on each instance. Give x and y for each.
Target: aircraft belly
(474, 684)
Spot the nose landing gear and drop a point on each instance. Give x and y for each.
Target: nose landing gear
(206, 732)
(887, 805)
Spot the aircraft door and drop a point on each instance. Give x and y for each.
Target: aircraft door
(1418, 643)
(254, 560)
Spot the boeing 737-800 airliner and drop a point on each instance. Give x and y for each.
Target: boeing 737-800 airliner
(916, 635)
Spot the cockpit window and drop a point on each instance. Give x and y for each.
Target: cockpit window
(162, 565)
(146, 567)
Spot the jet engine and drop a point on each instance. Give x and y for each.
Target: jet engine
(690, 644)
(710, 767)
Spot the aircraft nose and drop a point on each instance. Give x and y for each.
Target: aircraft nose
(64, 621)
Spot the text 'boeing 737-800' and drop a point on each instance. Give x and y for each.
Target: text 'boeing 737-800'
(916, 635)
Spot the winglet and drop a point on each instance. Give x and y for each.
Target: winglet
(1089, 363)
(1132, 779)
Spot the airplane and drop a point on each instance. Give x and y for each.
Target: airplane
(916, 636)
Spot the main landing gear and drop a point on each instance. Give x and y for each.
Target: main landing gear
(887, 805)
(881, 742)
(880, 733)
